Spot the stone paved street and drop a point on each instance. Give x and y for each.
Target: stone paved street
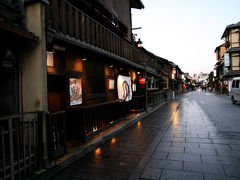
(196, 136)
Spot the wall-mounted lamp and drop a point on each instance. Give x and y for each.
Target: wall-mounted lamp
(139, 43)
(110, 84)
(50, 61)
(142, 80)
(84, 58)
(59, 48)
(134, 88)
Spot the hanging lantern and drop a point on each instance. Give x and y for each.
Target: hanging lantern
(142, 80)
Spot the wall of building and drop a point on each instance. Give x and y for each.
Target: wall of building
(121, 9)
(222, 51)
(234, 37)
(235, 61)
(34, 65)
(34, 68)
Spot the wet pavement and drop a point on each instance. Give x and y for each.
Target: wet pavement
(196, 136)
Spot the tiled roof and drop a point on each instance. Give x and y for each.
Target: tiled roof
(231, 26)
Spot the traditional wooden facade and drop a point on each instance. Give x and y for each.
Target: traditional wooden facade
(89, 43)
(231, 35)
(219, 83)
(20, 126)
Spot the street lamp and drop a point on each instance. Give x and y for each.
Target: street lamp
(144, 62)
(139, 43)
(173, 77)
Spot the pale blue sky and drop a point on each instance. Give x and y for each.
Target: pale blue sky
(185, 31)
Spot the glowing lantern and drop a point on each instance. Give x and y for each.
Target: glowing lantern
(142, 80)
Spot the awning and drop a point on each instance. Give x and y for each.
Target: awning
(18, 31)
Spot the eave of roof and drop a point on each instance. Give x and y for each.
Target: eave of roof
(234, 49)
(18, 31)
(136, 4)
(231, 26)
(218, 47)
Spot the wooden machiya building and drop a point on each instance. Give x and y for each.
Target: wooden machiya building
(96, 74)
(93, 68)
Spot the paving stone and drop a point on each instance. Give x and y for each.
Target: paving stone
(216, 177)
(165, 144)
(184, 157)
(214, 146)
(173, 139)
(232, 170)
(170, 149)
(204, 168)
(183, 144)
(184, 135)
(160, 155)
(220, 160)
(180, 175)
(151, 173)
(235, 147)
(229, 153)
(199, 140)
(165, 164)
(200, 151)
(225, 141)
(206, 135)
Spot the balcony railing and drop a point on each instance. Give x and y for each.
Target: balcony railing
(84, 121)
(68, 20)
(56, 134)
(14, 4)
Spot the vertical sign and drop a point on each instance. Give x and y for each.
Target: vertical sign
(75, 86)
(226, 59)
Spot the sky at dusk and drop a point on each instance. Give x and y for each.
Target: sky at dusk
(185, 31)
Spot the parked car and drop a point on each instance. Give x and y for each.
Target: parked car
(235, 92)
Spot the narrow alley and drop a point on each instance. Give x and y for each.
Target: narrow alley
(196, 136)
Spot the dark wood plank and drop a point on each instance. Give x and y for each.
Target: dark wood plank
(3, 153)
(11, 150)
(77, 25)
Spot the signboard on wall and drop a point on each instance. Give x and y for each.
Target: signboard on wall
(124, 87)
(75, 86)
(226, 59)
